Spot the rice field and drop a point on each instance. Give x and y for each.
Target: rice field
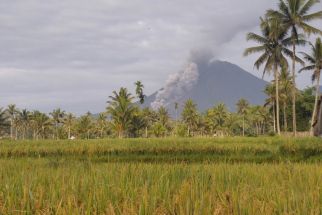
(162, 176)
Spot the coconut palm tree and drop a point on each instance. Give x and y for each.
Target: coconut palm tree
(139, 91)
(3, 119)
(69, 121)
(57, 117)
(24, 121)
(190, 115)
(270, 102)
(273, 48)
(242, 106)
(295, 16)
(121, 109)
(12, 112)
(286, 85)
(40, 123)
(315, 65)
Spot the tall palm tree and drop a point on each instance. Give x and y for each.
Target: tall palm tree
(242, 106)
(295, 16)
(3, 119)
(315, 65)
(271, 101)
(139, 91)
(190, 115)
(12, 112)
(121, 109)
(57, 116)
(285, 91)
(40, 122)
(24, 121)
(273, 48)
(69, 121)
(101, 124)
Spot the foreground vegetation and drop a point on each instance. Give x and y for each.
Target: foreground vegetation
(42, 186)
(267, 175)
(171, 150)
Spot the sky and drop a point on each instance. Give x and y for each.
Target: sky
(72, 54)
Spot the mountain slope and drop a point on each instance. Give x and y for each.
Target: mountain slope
(218, 82)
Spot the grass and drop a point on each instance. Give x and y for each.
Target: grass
(162, 176)
(172, 150)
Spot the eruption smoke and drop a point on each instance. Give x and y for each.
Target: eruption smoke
(183, 81)
(176, 85)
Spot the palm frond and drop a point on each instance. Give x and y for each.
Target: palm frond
(313, 16)
(256, 38)
(307, 6)
(253, 50)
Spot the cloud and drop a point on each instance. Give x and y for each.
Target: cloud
(74, 53)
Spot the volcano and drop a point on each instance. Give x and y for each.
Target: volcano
(216, 82)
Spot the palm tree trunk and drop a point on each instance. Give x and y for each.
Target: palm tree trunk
(274, 117)
(317, 92)
(16, 133)
(11, 129)
(277, 101)
(146, 131)
(294, 91)
(243, 126)
(285, 117)
(69, 132)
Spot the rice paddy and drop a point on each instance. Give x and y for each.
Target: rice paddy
(162, 176)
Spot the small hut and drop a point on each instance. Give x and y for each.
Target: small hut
(317, 125)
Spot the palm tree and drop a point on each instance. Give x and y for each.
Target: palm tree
(285, 91)
(273, 48)
(190, 115)
(295, 16)
(315, 61)
(58, 116)
(24, 121)
(85, 125)
(139, 91)
(12, 112)
(69, 121)
(101, 123)
(121, 110)
(242, 106)
(270, 101)
(3, 118)
(40, 122)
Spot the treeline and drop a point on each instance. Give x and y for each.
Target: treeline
(124, 118)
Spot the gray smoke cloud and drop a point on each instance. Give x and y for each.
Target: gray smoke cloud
(176, 85)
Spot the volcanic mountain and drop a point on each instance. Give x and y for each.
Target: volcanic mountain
(209, 83)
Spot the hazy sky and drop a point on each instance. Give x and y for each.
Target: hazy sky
(73, 53)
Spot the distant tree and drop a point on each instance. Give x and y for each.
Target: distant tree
(40, 123)
(315, 65)
(69, 121)
(139, 91)
(121, 109)
(24, 121)
(242, 106)
(12, 112)
(3, 119)
(270, 102)
(85, 125)
(190, 115)
(294, 16)
(101, 124)
(57, 117)
(286, 87)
